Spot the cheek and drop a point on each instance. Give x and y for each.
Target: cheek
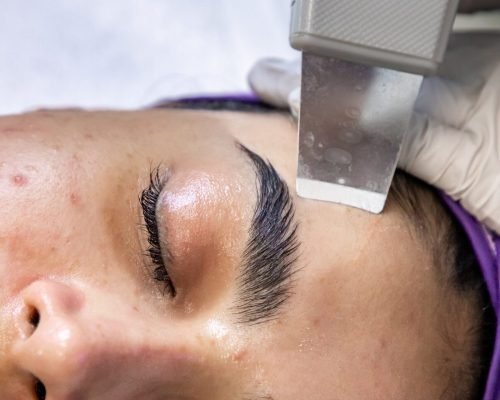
(28, 253)
(41, 203)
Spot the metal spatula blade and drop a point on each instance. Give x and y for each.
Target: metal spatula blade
(353, 118)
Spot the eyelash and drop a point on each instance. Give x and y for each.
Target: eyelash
(148, 200)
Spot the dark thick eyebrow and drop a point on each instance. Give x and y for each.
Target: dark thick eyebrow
(270, 257)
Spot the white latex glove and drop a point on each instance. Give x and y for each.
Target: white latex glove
(454, 137)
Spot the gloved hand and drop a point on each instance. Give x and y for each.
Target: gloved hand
(454, 137)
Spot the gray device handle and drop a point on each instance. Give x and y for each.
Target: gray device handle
(406, 35)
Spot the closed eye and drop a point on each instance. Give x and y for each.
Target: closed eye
(149, 200)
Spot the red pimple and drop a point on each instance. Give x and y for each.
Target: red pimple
(88, 136)
(19, 180)
(75, 199)
(75, 160)
(240, 355)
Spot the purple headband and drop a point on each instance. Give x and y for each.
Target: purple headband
(486, 245)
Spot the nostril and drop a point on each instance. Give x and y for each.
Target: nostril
(34, 317)
(27, 320)
(39, 390)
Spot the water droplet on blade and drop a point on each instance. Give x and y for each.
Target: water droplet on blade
(335, 156)
(309, 139)
(372, 185)
(351, 136)
(352, 112)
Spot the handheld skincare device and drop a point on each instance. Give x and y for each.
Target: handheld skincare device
(363, 63)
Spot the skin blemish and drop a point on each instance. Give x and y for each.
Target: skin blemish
(75, 199)
(240, 355)
(88, 136)
(19, 180)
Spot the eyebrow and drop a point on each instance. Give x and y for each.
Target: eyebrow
(270, 257)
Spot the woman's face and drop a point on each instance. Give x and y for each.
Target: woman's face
(352, 313)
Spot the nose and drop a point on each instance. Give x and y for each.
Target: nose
(89, 343)
(52, 346)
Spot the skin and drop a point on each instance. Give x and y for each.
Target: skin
(362, 322)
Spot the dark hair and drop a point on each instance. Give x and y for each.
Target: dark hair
(219, 104)
(467, 355)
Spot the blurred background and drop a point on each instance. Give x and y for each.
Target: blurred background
(130, 53)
